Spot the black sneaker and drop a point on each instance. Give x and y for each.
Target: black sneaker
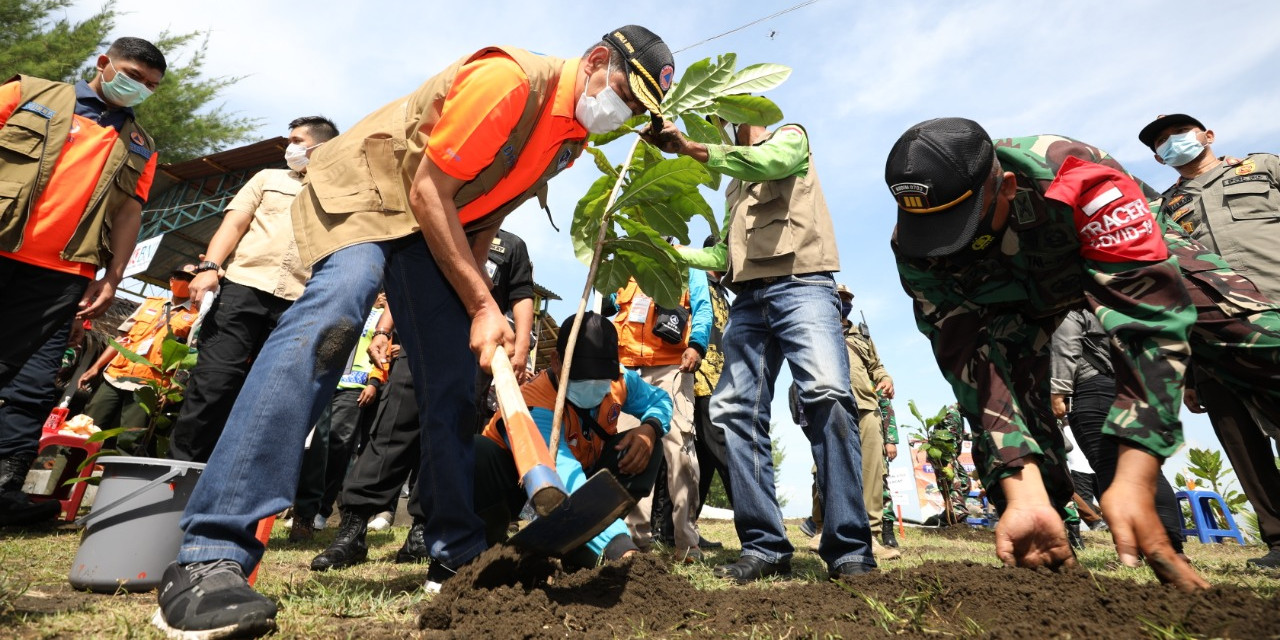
(750, 568)
(1270, 562)
(437, 575)
(708, 545)
(206, 600)
(415, 546)
(17, 509)
(847, 570)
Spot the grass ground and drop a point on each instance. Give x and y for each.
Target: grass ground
(381, 599)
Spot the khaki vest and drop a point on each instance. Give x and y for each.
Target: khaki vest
(357, 185)
(31, 142)
(780, 228)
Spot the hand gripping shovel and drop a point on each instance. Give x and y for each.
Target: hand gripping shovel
(565, 522)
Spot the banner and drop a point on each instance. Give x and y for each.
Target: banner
(143, 253)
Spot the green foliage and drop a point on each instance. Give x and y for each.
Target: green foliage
(182, 115)
(657, 196)
(1207, 468)
(34, 42)
(157, 397)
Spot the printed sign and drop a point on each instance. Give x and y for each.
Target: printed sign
(142, 256)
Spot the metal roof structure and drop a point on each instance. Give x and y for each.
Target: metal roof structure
(188, 200)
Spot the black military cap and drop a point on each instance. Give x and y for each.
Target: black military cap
(1149, 132)
(937, 172)
(595, 357)
(650, 66)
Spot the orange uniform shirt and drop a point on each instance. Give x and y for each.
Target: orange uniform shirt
(60, 207)
(145, 332)
(483, 107)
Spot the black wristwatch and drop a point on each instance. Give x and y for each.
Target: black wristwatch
(207, 266)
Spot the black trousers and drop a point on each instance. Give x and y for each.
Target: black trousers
(498, 495)
(1250, 451)
(26, 401)
(326, 462)
(1090, 404)
(36, 302)
(391, 454)
(230, 338)
(710, 447)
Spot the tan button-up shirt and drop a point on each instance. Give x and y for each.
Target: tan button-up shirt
(267, 256)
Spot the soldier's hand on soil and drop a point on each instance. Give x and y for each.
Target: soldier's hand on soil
(1031, 535)
(1136, 529)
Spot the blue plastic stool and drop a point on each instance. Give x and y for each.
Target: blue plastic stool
(979, 521)
(1204, 523)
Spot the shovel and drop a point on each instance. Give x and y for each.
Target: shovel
(565, 522)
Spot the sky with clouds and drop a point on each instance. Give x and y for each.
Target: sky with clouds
(863, 73)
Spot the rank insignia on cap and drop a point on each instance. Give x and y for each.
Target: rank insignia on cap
(665, 77)
(982, 242)
(911, 196)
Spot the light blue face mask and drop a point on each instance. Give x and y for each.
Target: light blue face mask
(588, 394)
(123, 90)
(1180, 149)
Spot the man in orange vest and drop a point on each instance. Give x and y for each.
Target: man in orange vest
(413, 193)
(75, 170)
(665, 346)
(600, 392)
(155, 320)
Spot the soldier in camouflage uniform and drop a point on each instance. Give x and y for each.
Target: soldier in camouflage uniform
(995, 241)
(889, 426)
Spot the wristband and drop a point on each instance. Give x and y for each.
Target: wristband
(380, 332)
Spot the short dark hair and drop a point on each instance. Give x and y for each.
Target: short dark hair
(616, 58)
(321, 128)
(140, 51)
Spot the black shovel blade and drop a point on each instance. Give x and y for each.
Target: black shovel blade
(587, 512)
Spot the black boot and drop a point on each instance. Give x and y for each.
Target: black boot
(348, 546)
(887, 538)
(1073, 536)
(16, 507)
(415, 546)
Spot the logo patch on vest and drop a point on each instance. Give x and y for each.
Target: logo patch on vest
(614, 411)
(563, 159)
(140, 150)
(39, 109)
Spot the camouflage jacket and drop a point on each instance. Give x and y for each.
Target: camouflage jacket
(990, 318)
(888, 419)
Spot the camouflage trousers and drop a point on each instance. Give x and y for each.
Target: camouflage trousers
(888, 515)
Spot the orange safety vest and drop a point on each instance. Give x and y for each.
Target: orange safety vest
(147, 329)
(586, 444)
(638, 346)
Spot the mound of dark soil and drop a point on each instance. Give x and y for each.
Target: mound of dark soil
(505, 595)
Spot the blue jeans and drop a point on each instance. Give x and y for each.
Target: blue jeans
(253, 471)
(796, 318)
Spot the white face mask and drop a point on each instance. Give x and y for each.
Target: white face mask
(604, 111)
(588, 394)
(295, 155)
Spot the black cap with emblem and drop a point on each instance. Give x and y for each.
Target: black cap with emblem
(650, 66)
(937, 172)
(595, 357)
(1150, 132)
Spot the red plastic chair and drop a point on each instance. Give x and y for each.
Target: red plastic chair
(78, 450)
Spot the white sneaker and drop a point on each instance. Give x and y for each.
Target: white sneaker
(381, 521)
(319, 523)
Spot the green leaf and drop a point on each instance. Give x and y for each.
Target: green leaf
(754, 110)
(699, 130)
(602, 162)
(598, 139)
(106, 433)
(189, 362)
(655, 271)
(662, 179)
(612, 274)
(172, 353)
(757, 78)
(586, 218)
(133, 357)
(148, 398)
(699, 84)
(638, 230)
(688, 204)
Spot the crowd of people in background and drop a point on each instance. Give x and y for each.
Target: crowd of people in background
(347, 310)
